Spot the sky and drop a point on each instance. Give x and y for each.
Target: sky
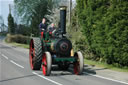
(4, 9)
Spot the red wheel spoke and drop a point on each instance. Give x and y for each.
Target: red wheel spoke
(44, 65)
(31, 55)
(76, 66)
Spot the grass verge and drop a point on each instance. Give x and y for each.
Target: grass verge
(19, 45)
(104, 65)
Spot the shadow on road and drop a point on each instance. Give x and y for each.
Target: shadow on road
(90, 69)
(5, 47)
(17, 78)
(87, 69)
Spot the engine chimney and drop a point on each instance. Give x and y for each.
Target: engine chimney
(63, 19)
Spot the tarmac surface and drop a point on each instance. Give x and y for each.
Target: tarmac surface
(15, 70)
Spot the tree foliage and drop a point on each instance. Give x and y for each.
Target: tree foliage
(23, 29)
(105, 25)
(11, 27)
(32, 12)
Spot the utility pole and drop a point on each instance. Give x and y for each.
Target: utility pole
(9, 8)
(70, 8)
(3, 26)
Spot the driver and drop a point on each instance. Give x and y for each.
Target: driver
(43, 26)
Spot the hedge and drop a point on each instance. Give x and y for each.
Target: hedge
(104, 24)
(18, 38)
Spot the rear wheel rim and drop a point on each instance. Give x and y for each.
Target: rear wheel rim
(31, 55)
(44, 65)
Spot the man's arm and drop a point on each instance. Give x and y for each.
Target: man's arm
(49, 29)
(40, 27)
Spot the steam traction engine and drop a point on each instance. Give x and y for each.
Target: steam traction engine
(55, 49)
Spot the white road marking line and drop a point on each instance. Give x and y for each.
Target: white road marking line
(16, 64)
(47, 79)
(4, 56)
(107, 78)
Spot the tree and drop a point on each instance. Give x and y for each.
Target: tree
(41, 10)
(32, 12)
(11, 27)
(104, 23)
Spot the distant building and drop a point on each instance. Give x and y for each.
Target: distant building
(3, 28)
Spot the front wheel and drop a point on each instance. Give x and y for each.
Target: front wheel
(46, 64)
(79, 63)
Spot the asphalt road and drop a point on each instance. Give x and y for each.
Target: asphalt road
(15, 70)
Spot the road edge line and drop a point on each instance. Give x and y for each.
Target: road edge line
(47, 79)
(16, 64)
(98, 76)
(5, 56)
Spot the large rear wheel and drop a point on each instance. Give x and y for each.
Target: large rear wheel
(79, 63)
(35, 53)
(46, 64)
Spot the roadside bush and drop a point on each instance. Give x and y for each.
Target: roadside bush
(77, 38)
(105, 27)
(18, 38)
